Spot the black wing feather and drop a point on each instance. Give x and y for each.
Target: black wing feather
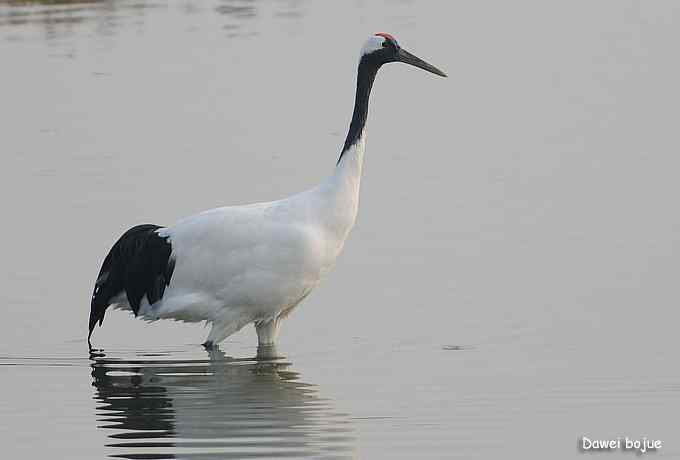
(140, 264)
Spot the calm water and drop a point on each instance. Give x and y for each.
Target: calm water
(512, 281)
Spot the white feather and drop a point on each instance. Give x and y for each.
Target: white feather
(242, 264)
(374, 43)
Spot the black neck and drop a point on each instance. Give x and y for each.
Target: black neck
(365, 78)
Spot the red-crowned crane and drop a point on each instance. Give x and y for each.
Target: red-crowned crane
(236, 265)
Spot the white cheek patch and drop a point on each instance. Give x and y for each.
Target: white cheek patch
(374, 43)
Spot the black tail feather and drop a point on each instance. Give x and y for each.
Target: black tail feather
(139, 264)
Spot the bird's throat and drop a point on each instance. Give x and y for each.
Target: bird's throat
(366, 73)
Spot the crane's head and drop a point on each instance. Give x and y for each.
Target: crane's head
(382, 48)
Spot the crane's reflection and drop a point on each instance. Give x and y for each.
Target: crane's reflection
(217, 407)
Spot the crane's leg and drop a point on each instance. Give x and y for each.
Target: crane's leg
(220, 331)
(267, 331)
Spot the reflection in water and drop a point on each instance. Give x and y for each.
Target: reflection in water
(214, 408)
(65, 18)
(60, 19)
(244, 9)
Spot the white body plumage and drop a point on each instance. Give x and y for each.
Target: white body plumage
(237, 265)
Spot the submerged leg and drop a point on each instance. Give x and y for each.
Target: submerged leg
(267, 352)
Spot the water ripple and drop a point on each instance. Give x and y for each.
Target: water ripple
(214, 408)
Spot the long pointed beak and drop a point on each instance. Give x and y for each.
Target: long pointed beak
(408, 58)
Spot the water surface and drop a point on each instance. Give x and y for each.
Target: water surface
(511, 283)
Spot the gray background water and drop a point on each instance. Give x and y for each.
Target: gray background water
(512, 281)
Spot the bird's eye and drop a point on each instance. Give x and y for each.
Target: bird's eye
(386, 43)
